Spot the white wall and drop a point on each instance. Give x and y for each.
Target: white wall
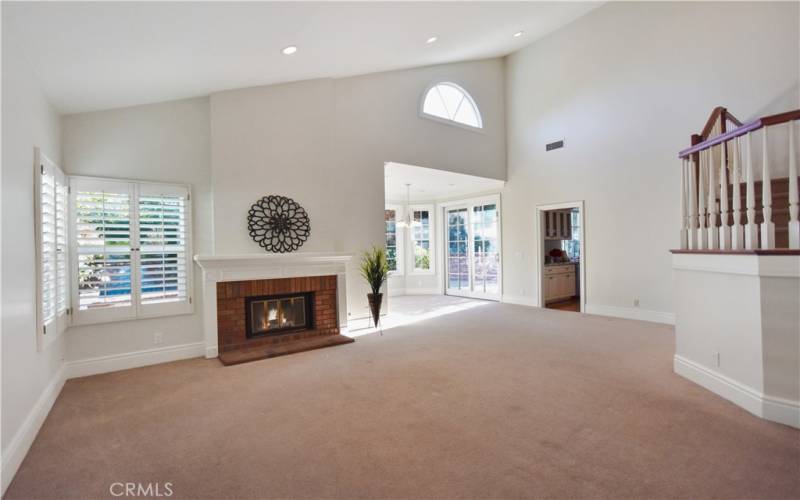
(625, 86)
(30, 378)
(324, 143)
(167, 142)
(737, 329)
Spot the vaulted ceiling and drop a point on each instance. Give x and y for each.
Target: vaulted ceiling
(98, 55)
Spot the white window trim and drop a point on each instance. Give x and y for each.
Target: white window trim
(137, 310)
(45, 338)
(431, 239)
(400, 238)
(446, 121)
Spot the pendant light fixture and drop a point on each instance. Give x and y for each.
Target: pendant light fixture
(407, 221)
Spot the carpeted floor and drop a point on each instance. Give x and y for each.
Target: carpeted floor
(496, 401)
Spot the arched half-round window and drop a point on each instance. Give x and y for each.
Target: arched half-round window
(448, 101)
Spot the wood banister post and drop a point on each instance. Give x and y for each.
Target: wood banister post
(724, 227)
(713, 210)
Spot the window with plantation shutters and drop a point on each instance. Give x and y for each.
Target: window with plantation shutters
(102, 211)
(132, 251)
(163, 254)
(51, 250)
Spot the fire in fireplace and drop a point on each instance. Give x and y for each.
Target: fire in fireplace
(279, 314)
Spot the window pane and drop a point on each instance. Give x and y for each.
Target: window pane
(434, 105)
(390, 238)
(104, 252)
(451, 102)
(467, 115)
(162, 240)
(452, 98)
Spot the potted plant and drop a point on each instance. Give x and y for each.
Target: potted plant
(375, 270)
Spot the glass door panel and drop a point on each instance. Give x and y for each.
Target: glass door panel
(457, 251)
(473, 250)
(486, 255)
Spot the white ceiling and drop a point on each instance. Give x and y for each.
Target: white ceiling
(428, 184)
(99, 55)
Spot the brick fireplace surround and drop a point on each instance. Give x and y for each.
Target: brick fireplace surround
(231, 295)
(229, 280)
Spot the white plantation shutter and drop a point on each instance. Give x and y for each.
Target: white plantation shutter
(164, 257)
(62, 244)
(132, 249)
(103, 257)
(51, 250)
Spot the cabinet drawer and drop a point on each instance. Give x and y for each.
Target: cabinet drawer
(567, 268)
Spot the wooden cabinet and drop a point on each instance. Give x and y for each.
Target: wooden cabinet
(559, 282)
(558, 225)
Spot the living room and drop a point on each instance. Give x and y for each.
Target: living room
(241, 158)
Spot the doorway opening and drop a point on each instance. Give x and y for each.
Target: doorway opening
(442, 232)
(562, 256)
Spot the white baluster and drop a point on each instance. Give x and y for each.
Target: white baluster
(692, 204)
(713, 211)
(684, 216)
(702, 235)
(738, 229)
(724, 227)
(750, 229)
(767, 227)
(794, 202)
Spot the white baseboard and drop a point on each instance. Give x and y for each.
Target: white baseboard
(116, 362)
(631, 313)
(23, 439)
(519, 300)
(770, 408)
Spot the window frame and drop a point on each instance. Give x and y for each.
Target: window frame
(447, 121)
(61, 319)
(431, 209)
(136, 310)
(399, 238)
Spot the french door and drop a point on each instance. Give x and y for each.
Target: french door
(472, 252)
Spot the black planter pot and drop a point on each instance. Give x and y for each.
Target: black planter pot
(375, 300)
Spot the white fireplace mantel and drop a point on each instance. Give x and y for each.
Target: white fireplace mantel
(217, 268)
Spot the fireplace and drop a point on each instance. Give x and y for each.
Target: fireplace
(234, 286)
(279, 314)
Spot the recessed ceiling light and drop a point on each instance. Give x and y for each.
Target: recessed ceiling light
(518, 34)
(291, 49)
(431, 39)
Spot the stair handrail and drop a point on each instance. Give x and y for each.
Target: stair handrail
(756, 124)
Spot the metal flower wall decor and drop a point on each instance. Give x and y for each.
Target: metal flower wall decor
(278, 224)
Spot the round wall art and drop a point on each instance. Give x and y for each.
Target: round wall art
(278, 224)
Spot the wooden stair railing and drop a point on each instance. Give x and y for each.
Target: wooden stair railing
(716, 213)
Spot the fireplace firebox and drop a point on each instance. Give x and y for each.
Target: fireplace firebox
(279, 314)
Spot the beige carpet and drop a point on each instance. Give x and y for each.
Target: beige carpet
(497, 401)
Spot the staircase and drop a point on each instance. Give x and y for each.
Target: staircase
(730, 201)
